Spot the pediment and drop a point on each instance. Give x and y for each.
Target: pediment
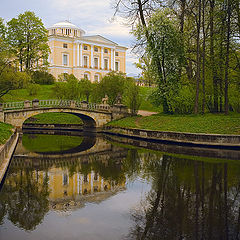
(99, 39)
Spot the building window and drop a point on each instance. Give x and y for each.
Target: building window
(65, 179)
(75, 33)
(65, 45)
(65, 59)
(105, 64)
(86, 76)
(95, 49)
(85, 178)
(116, 54)
(105, 50)
(85, 61)
(95, 175)
(96, 62)
(96, 78)
(85, 47)
(116, 66)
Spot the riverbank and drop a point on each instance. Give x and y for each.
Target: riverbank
(217, 131)
(207, 124)
(6, 151)
(6, 131)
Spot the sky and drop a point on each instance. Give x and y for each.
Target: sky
(93, 16)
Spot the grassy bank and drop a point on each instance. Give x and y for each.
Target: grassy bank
(55, 118)
(5, 132)
(209, 123)
(45, 92)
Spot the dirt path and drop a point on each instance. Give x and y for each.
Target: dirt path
(143, 113)
(146, 113)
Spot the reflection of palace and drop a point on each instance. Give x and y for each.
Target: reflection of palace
(64, 186)
(70, 190)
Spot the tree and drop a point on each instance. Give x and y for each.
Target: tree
(145, 65)
(132, 96)
(28, 38)
(68, 89)
(112, 85)
(169, 50)
(43, 77)
(86, 88)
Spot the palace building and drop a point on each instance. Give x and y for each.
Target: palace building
(84, 56)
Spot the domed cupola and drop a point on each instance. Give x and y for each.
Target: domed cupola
(66, 28)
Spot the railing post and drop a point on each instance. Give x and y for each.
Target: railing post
(27, 104)
(35, 103)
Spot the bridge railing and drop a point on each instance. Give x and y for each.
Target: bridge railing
(13, 105)
(54, 103)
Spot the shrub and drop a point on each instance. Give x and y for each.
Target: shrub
(182, 102)
(43, 78)
(234, 97)
(33, 88)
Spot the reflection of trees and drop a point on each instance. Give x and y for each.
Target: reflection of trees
(189, 200)
(25, 198)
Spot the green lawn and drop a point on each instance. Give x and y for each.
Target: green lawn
(209, 123)
(55, 118)
(6, 131)
(45, 92)
(145, 92)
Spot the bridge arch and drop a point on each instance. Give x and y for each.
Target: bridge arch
(91, 119)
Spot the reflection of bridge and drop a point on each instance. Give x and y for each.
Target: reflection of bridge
(92, 115)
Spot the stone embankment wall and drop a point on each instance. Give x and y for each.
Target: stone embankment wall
(6, 152)
(215, 140)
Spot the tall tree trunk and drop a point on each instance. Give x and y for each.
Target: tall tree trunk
(221, 56)
(229, 10)
(198, 22)
(212, 58)
(203, 57)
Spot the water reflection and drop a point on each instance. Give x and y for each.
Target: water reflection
(139, 194)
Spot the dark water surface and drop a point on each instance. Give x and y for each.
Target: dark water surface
(90, 188)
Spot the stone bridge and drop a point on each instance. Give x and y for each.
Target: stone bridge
(92, 115)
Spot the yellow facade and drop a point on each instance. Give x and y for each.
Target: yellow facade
(84, 56)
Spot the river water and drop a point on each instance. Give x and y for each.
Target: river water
(91, 187)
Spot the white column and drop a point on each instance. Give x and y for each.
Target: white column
(114, 60)
(74, 55)
(111, 59)
(81, 57)
(92, 56)
(102, 61)
(78, 55)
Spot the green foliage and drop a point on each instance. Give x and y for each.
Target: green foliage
(28, 38)
(33, 88)
(112, 85)
(69, 89)
(183, 101)
(132, 96)
(86, 88)
(164, 51)
(234, 97)
(43, 77)
(11, 79)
